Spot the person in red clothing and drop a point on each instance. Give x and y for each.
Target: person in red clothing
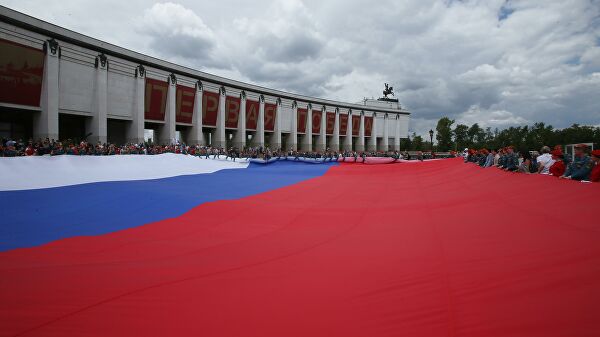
(29, 151)
(595, 175)
(558, 168)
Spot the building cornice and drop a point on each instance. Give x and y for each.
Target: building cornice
(49, 30)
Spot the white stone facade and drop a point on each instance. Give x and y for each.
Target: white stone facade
(102, 82)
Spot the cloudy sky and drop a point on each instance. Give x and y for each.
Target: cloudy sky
(495, 62)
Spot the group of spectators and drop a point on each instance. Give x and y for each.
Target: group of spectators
(11, 148)
(584, 167)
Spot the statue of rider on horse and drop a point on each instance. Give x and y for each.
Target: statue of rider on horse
(388, 91)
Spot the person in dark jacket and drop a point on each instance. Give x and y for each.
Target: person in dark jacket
(595, 174)
(581, 167)
(511, 162)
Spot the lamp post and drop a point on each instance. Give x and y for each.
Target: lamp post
(431, 137)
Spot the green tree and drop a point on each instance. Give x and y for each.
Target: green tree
(525, 137)
(488, 138)
(405, 144)
(476, 135)
(417, 142)
(461, 138)
(576, 134)
(541, 135)
(444, 134)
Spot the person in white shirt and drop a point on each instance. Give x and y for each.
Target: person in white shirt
(544, 161)
(496, 157)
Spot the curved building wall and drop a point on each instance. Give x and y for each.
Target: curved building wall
(59, 75)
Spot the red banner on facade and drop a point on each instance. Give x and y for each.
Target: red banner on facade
(252, 108)
(343, 124)
(232, 111)
(156, 99)
(302, 115)
(21, 73)
(184, 104)
(330, 123)
(210, 108)
(355, 125)
(368, 125)
(316, 121)
(270, 115)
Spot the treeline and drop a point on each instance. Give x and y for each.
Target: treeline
(531, 137)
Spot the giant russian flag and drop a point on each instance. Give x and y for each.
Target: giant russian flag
(215, 248)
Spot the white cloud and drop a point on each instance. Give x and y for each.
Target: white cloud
(495, 62)
(490, 118)
(173, 20)
(179, 34)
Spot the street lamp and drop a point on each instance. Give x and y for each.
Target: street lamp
(431, 137)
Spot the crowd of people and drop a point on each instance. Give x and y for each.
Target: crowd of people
(11, 148)
(584, 167)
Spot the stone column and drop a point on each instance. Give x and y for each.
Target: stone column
(196, 135)
(373, 140)
(335, 138)
(276, 137)
(385, 141)
(307, 139)
(240, 134)
(167, 130)
(348, 139)
(219, 140)
(322, 140)
(45, 124)
(135, 132)
(397, 134)
(97, 125)
(259, 136)
(360, 144)
(293, 142)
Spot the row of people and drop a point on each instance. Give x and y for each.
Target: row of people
(10, 148)
(584, 166)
